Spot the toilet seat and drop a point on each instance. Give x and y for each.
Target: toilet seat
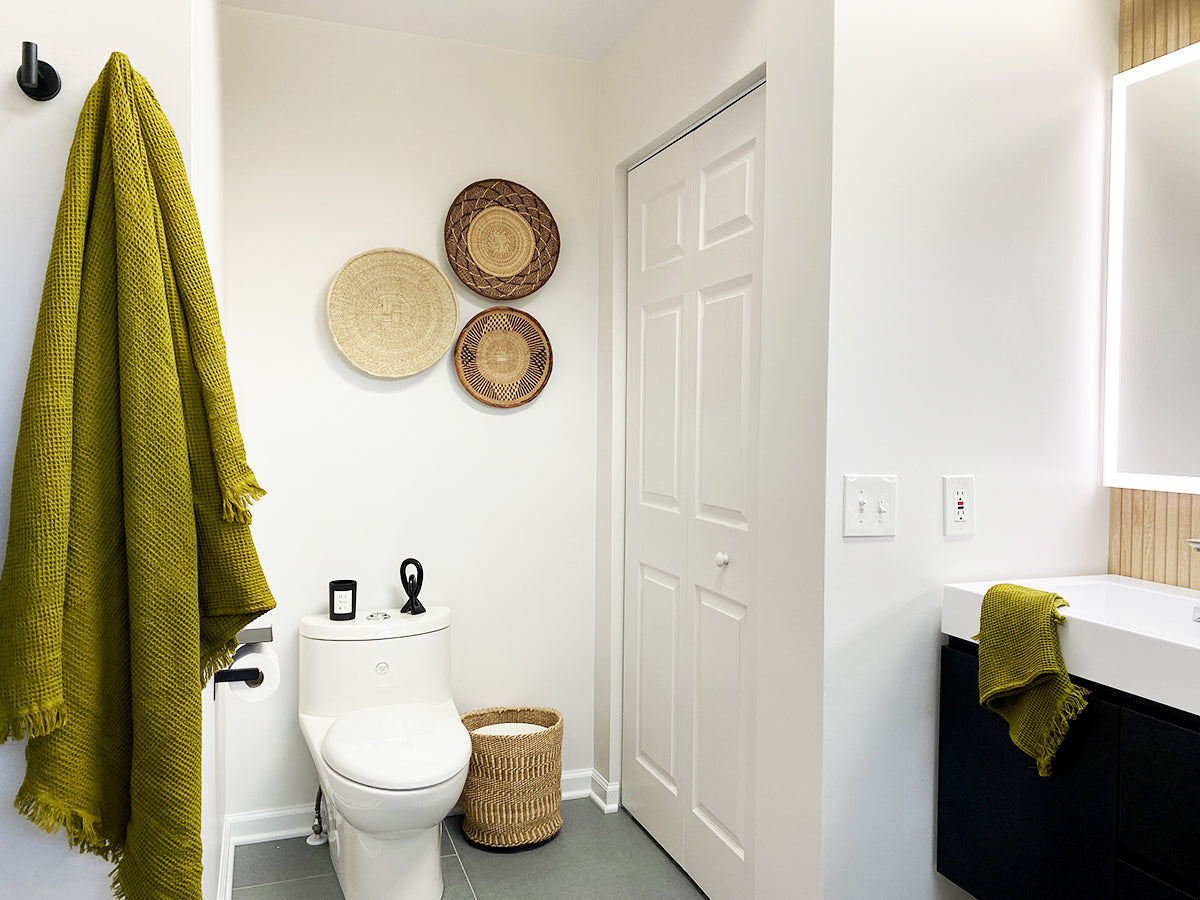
(400, 747)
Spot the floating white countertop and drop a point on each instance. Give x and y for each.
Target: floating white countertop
(1133, 635)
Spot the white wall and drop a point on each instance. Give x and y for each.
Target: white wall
(340, 139)
(967, 149)
(965, 313)
(205, 173)
(76, 37)
(800, 108)
(672, 65)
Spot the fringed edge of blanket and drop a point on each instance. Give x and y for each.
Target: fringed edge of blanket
(27, 723)
(1070, 708)
(83, 830)
(115, 884)
(217, 659)
(236, 501)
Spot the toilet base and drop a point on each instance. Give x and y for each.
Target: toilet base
(407, 866)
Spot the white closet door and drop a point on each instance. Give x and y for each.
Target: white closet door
(694, 282)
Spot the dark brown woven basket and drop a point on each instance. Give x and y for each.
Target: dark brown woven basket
(534, 237)
(513, 793)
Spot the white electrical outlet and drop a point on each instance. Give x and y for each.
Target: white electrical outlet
(958, 504)
(869, 505)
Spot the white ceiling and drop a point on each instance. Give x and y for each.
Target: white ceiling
(585, 29)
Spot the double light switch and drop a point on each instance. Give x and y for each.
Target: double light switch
(869, 506)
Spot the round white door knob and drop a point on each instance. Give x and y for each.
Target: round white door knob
(722, 559)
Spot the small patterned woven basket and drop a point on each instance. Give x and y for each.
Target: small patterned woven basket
(503, 357)
(513, 792)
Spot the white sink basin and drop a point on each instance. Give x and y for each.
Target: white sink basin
(1133, 635)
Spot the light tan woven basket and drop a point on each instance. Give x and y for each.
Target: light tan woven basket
(391, 312)
(513, 792)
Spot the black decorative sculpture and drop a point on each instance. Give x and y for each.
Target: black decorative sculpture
(412, 587)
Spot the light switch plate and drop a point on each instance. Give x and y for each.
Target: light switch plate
(869, 505)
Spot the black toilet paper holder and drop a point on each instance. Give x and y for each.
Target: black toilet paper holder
(252, 677)
(262, 634)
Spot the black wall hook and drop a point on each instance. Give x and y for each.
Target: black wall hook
(37, 79)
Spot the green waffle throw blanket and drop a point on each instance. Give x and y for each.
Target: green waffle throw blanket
(1021, 671)
(129, 568)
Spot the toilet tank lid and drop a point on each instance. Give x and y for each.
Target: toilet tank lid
(399, 747)
(375, 625)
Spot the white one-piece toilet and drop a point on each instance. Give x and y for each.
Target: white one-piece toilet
(390, 748)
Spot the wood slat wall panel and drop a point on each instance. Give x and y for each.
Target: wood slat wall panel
(1170, 546)
(1160, 28)
(1123, 497)
(1151, 28)
(1147, 533)
(1159, 544)
(1184, 574)
(1114, 531)
(1147, 528)
(1194, 572)
(1148, 51)
(1137, 553)
(1125, 38)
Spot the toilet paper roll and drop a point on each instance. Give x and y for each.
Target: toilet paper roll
(256, 656)
(511, 728)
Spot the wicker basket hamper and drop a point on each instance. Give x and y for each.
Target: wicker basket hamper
(513, 792)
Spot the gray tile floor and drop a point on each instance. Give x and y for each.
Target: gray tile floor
(593, 857)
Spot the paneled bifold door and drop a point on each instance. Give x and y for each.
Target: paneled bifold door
(695, 281)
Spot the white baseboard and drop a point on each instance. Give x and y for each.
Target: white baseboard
(255, 827)
(296, 821)
(576, 784)
(606, 794)
(270, 824)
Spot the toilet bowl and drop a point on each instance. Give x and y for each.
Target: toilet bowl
(390, 750)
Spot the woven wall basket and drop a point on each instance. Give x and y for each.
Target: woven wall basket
(513, 791)
(501, 239)
(392, 312)
(503, 357)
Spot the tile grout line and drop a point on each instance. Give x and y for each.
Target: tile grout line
(283, 881)
(461, 864)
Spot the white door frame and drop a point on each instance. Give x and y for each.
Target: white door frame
(607, 794)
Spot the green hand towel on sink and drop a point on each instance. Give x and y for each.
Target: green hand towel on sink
(1021, 672)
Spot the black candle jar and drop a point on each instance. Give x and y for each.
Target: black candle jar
(343, 599)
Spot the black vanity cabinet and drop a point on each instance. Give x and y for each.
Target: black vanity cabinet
(1006, 833)
(1134, 884)
(1119, 818)
(1159, 802)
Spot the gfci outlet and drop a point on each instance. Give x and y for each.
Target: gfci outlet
(869, 505)
(958, 504)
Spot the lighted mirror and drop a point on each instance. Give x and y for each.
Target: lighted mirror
(1152, 356)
